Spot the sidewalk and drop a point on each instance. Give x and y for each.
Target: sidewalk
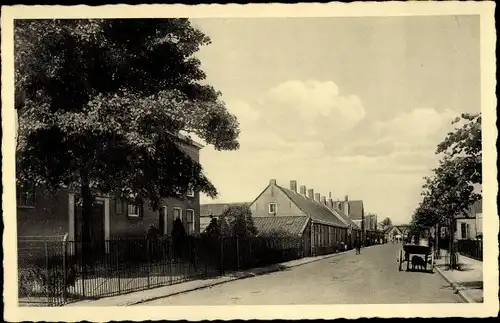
(468, 281)
(166, 291)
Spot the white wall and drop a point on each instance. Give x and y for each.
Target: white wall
(479, 223)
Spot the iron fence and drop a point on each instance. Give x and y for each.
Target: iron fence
(54, 273)
(471, 248)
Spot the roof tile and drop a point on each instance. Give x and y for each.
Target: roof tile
(293, 225)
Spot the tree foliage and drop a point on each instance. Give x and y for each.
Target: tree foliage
(102, 103)
(387, 222)
(240, 221)
(213, 229)
(450, 191)
(178, 230)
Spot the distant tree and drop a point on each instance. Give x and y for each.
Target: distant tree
(240, 220)
(387, 222)
(90, 90)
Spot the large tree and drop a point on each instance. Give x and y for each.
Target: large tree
(101, 104)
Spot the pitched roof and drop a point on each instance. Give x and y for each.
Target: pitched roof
(317, 211)
(292, 225)
(216, 209)
(356, 209)
(343, 217)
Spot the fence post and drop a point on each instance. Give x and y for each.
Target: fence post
(169, 257)
(117, 257)
(65, 267)
(47, 272)
(148, 251)
(83, 265)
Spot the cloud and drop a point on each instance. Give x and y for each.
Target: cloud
(417, 126)
(308, 110)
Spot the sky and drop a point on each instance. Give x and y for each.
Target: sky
(352, 106)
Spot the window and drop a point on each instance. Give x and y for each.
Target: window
(190, 221)
(177, 213)
(273, 208)
(464, 230)
(190, 192)
(25, 195)
(133, 210)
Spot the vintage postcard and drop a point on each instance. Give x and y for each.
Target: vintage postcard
(267, 161)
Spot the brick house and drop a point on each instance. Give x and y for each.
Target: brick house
(322, 229)
(44, 214)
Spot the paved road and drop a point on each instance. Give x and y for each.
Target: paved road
(369, 278)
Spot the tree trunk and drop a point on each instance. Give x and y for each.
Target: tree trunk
(452, 251)
(87, 201)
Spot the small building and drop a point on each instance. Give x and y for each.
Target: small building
(470, 225)
(323, 230)
(393, 234)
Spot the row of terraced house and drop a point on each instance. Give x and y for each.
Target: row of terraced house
(324, 224)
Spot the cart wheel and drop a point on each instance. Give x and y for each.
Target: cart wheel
(400, 259)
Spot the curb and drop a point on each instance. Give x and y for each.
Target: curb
(244, 276)
(461, 293)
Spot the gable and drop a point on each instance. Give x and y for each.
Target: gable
(356, 211)
(273, 194)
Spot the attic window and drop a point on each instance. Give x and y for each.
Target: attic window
(273, 208)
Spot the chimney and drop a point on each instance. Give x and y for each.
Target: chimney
(323, 200)
(347, 198)
(310, 193)
(317, 197)
(330, 195)
(293, 185)
(303, 190)
(330, 202)
(346, 207)
(272, 182)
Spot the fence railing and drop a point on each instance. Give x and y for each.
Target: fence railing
(54, 273)
(471, 248)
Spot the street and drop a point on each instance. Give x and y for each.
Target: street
(369, 278)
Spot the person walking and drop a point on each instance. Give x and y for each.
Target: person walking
(358, 246)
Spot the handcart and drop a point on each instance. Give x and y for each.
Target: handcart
(409, 250)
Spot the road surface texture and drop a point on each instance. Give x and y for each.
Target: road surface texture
(369, 278)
